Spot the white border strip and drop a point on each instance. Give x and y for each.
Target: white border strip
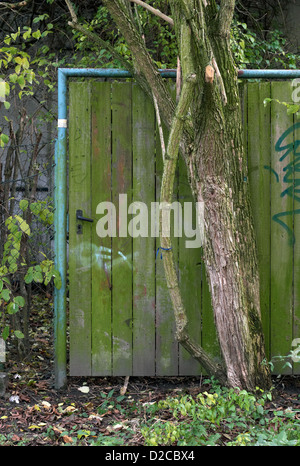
(62, 123)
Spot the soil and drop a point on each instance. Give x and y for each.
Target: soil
(33, 412)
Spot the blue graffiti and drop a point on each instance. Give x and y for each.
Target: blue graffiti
(290, 177)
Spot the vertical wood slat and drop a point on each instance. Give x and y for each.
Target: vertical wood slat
(189, 273)
(296, 207)
(101, 246)
(259, 164)
(143, 129)
(281, 231)
(122, 242)
(80, 244)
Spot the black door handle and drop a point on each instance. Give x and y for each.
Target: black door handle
(80, 217)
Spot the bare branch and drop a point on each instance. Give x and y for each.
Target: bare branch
(13, 6)
(220, 80)
(160, 130)
(154, 11)
(72, 11)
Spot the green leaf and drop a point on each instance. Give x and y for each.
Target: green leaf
(12, 308)
(4, 138)
(27, 34)
(38, 277)
(57, 279)
(5, 295)
(19, 334)
(293, 108)
(5, 333)
(18, 60)
(21, 81)
(6, 105)
(37, 34)
(23, 204)
(23, 225)
(20, 301)
(29, 275)
(267, 100)
(35, 208)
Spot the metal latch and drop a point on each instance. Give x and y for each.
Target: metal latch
(79, 216)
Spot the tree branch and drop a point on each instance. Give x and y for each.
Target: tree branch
(12, 6)
(154, 11)
(225, 17)
(72, 11)
(181, 320)
(102, 43)
(144, 66)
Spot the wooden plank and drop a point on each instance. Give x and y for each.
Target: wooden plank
(101, 246)
(166, 342)
(259, 168)
(209, 334)
(281, 228)
(189, 272)
(296, 316)
(80, 244)
(122, 243)
(143, 127)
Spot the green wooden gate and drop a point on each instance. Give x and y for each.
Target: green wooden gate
(121, 320)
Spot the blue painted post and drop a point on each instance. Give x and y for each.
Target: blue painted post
(60, 225)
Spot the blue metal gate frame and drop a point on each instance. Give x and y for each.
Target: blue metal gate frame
(60, 195)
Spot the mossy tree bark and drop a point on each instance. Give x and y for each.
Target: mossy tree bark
(206, 129)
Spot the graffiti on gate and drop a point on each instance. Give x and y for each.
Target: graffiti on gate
(89, 254)
(290, 156)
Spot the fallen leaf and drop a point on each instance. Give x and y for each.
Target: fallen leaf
(69, 409)
(46, 405)
(14, 398)
(84, 389)
(67, 439)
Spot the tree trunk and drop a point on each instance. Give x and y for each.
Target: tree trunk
(230, 250)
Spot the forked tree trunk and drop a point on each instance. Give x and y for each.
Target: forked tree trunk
(206, 128)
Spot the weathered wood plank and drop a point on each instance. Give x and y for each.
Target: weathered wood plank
(281, 228)
(101, 246)
(209, 335)
(143, 132)
(296, 316)
(80, 269)
(122, 242)
(189, 271)
(259, 163)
